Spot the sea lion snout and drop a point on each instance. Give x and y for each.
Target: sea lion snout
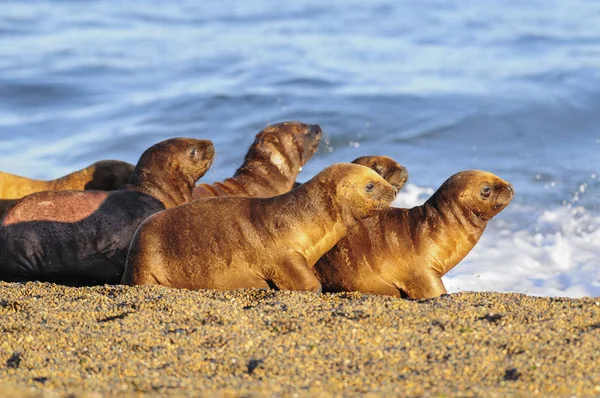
(207, 151)
(314, 131)
(385, 196)
(505, 193)
(312, 138)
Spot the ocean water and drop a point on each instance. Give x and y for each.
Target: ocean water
(511, 87)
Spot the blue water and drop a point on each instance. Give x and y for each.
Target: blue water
(512, 87)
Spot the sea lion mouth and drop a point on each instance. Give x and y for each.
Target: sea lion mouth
(385, 199)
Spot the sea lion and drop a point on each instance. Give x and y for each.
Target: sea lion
(405, 252)
(6, 204)
(272, 163)
(105, 175)
(81, 237)
(391, 171)
(241, 242)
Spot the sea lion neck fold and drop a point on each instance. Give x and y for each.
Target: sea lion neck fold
(166, 175)
(444, 205)
(405, 252)
(276, 157)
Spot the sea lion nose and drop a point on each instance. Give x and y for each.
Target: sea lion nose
(404, 174)
(510, 189)
(209, 150)
(315, 130)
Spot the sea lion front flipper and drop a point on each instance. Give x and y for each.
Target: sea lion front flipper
(425, 286)
(295, 275)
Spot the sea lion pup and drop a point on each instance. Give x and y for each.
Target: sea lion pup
(82, 237)
(105, 175)
(271, 164)
(391, 171)
(241, 242)
(405, 252)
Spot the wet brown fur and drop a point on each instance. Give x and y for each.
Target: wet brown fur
(81, 237)
(271, 164)
(240, 242)
(405, 252)
(105, 175)
(391, 171)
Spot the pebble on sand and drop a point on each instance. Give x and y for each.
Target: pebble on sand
(121, 341)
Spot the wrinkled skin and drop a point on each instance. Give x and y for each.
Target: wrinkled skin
(271, 164)
(405, 252)
(241, 242)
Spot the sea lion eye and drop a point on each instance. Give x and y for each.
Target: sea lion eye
(485, 192)
(370, 187)
(193, 152)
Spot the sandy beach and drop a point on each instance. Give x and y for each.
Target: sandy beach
(122, 341)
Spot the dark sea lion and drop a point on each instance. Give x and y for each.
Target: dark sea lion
(82, 237)
(271, 164)
(105, 175)
(405, 252)
(6, 204)
(240, 242)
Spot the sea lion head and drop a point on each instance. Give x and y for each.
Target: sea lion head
(286, 145)
(391, 171)
(173, 163)
(479, 192)
(359, 189)
(109, 175)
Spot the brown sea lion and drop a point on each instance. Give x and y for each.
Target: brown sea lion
(81, 237)
(105, 175)
(240, 242)
(405, 252)
(391, 171)
(271, 164)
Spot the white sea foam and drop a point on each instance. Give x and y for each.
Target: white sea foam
(411, 196)
(551, 253)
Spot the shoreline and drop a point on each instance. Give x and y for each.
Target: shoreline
(123, 341)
